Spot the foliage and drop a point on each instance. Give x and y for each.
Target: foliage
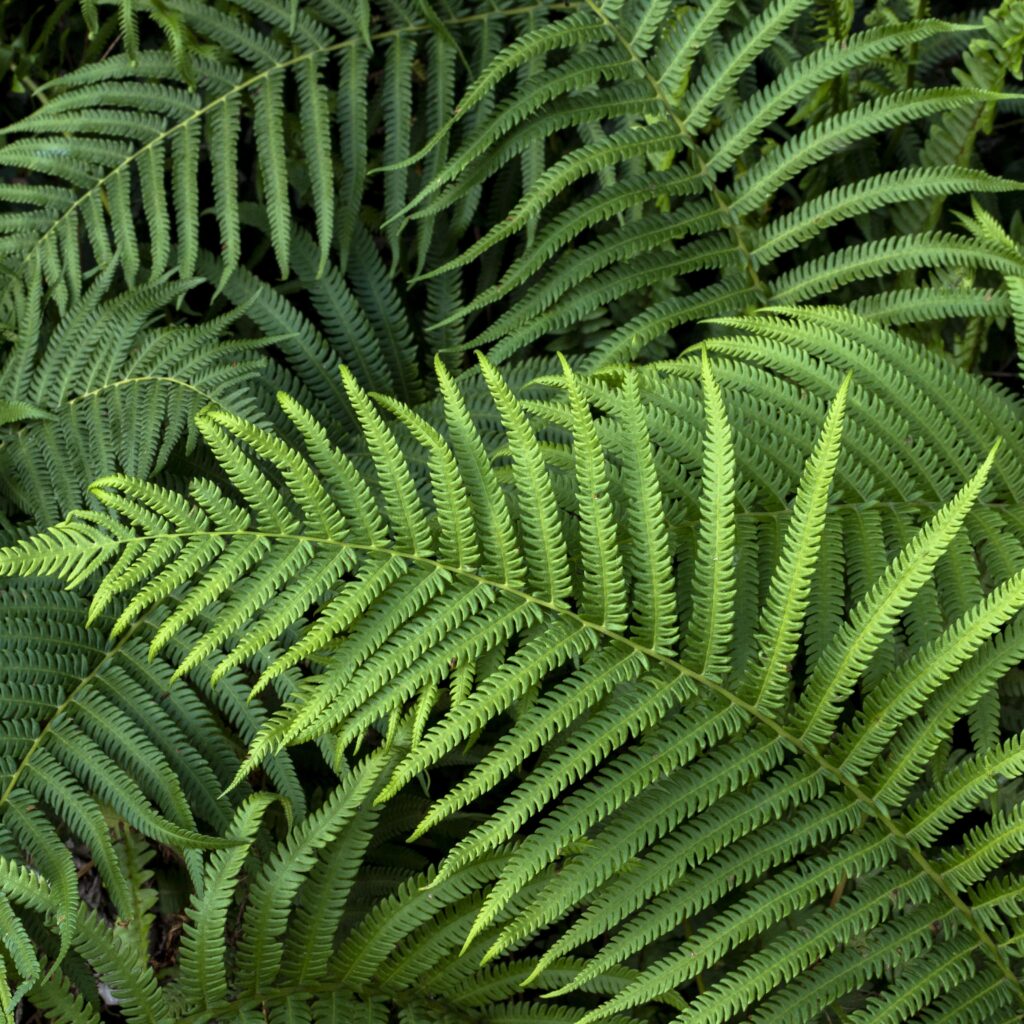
(628, 630)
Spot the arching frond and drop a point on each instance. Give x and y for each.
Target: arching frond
(292, 963)
(663, 170)
(111, 389)
(700, 810)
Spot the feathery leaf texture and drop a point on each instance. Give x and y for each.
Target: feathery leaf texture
(675, 131)
(490, 529)
(676, 786)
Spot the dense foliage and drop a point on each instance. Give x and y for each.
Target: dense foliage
(511, 512)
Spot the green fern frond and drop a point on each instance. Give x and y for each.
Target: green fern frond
(674, 787)
(90, 730)
(79, 407)
(401, 954)
(123, 146)
(676, 127)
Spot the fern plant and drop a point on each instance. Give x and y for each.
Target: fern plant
(399, 954)
(137, 159)
(82, 404)
(652, 661)
(686, 145)
(655, 661)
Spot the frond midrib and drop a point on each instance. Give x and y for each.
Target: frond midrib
(793, 740)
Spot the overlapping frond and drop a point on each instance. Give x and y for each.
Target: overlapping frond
(696, 802)
(108, 388)
(667, 197)
(307, 951)
(127, 131)
(96, 743)
(136, 161)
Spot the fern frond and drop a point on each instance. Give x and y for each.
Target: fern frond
(692, 108)
(718, 797)
(88, 726)
(120, 154)
(787, 601)
(656, 657)
(80, 407)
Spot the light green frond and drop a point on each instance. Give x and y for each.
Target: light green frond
(483, 595)
(543, 543)
(851, 650)
(709, 633)
(603, 599)
(649, 556)
(402, 505)
(786, 604)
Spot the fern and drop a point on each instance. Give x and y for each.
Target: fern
(126, 134)
(77, 406)
(498, 522)
(401, 953)
(691, 182)
(92, 733)
(724, 751)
